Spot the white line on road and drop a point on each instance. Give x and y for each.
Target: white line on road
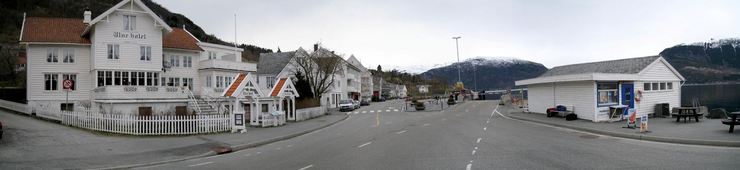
(478, 141)
(425, 124)
(278, 148)
(395, 110)
(473, 153)
(379, 111)
(372, 111)
(306, 167)
(363, 145)
(468, 167)
(387, 110)
(399, 132)
(289, 146)
(364, 111)
(484, 128)
(200, 164)
(488, 121)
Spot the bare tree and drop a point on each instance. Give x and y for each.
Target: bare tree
(320, 68)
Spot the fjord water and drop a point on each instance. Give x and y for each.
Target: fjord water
(725, 96)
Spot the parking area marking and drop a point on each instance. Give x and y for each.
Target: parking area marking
(365, 144)
(306, 167)
(399, 132)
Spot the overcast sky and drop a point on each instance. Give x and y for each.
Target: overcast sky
(408, 33)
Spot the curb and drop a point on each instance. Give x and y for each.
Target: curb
(235, 148)
(637, 136)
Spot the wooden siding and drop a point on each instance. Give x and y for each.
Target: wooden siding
(657, 72)
(37, 67)
(578, 94)
(540, 97)
(129, 47)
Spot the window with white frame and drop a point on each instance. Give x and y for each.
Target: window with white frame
(69, 55)
(125, 79)
(607, 94)
(211, 55)
(142, 79)
(270, 81)
(72, 77)
(657, 86)
(209, 81)
(219, 81)
(134, 76)
(113, 51)
(187, 61)
(50, 82)
(117, 78)
(52, 55)
(146, 53)
(129, 22)
(227, 81)
(108, 78)
(149, 77)
(172, 61)
(156, 79)
(177, 61)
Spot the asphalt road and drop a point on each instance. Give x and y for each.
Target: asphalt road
(471, 135)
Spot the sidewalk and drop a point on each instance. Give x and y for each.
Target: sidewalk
(705, 132)
(32, 143)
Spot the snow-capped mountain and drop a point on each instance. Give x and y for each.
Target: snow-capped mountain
(488, 73)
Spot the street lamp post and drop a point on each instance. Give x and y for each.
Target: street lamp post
(457, 48)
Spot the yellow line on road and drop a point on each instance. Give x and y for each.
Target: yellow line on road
(377, 119)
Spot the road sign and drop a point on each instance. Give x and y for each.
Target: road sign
(67, 84)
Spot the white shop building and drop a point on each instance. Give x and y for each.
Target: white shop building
(591, 88)
(125, 61)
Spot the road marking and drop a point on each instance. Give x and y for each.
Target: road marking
(399, 132)
(363, 145)
(379, 111)
(395, 110)
(278, 148)
(387, 110)
(484, 128)
(249, 154)
(200, 164)
(377, 119)
(289, 146)
(259, 152)
(364, 111)
(468, 167)
(306, 167)
(478, 141)
(473, 153)
(488, 121)
(426, 124)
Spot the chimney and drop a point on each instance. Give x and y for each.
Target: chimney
(315, 47)
(86, 16)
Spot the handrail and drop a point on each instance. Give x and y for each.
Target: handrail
(191, 98)
(210, 100)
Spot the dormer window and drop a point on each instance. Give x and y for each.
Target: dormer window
(129, 22)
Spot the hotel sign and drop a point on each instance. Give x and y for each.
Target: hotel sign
(129, 35)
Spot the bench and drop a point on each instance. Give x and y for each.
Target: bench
(731, 123)
(568, 110)
(687, 112)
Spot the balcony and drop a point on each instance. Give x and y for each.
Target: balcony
(229, 65)
(138, 92)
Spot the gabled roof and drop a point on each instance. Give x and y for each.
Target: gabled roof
(53, 30)
(235, 87)
(68, 30)
(281, 86)
(622, 66)
(180, 39)
(355, 62)
(613, 70)
(273, 63)
(141, 5)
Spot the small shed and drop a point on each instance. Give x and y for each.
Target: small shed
(591, 88)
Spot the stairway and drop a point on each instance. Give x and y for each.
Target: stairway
(202, 107)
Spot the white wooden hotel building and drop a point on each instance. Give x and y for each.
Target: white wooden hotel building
(124, 61)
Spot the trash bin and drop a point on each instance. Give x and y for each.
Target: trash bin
(662, 110)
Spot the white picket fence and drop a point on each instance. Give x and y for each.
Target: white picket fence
(147, 125)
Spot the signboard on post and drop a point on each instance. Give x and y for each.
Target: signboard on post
(67, 84)
(644, 124)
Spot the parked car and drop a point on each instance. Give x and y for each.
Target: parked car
(356, 103)
(346, 105)
(1, 130)
(364, 103)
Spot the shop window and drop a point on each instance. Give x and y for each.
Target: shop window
(607, 94)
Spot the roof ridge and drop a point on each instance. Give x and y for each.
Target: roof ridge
(633, 58)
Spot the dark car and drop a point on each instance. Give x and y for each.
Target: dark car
(1, 130)
(364, 103)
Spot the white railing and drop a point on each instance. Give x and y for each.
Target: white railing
(147, 125)
(192, 99)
